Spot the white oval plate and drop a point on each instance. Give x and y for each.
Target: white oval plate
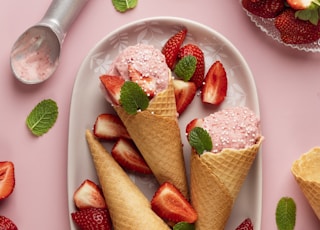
(88, 102)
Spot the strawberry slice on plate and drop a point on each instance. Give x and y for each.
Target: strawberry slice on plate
(245, 225)
(215, 85)
(92, 218)
(171, 47)
(7, 179)
(7, 224)
(112, 85)
(169, 203)
(128, 156)
(89, 195)
(184, 92)
(109, 127)
(194, 50)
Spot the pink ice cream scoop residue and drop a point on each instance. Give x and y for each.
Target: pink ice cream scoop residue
(236, 128)
(148, 60)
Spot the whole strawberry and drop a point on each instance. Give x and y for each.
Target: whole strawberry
(194, 50)
(7, 224)
(295, 31)
(264, 8)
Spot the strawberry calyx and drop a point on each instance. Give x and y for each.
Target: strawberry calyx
(310, 14)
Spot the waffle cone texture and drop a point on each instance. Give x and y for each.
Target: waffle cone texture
(215, 181)
(129, 208)
(306, 171)
(156, 133)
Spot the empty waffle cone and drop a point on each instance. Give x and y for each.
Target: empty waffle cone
(307, 174)
(216, 179)
(156, 133)
(129, 208)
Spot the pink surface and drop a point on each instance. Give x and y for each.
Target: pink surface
(287, 80)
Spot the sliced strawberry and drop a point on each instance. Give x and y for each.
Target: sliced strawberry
(7, 224)
(169, 203)
(7, 179)
(264, 8)
(171, 47)
(109, 127)
(128, 156)
(300, 4)
(197, 122)
(215, 85)
(147, 83)
(245, 225)
(113, 85)
(294, 30)
(92, 218)
(89, 195)
(194, 50)
(184, 93)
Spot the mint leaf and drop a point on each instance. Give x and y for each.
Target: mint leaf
(286, 214)
(200, 140)
(42, 117)
(186, 67)
(124, 5)
(133, 98)
(183, 226)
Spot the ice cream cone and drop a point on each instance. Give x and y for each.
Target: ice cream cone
(129, 208)
(156, 133)
(307, 174)
(216, 179)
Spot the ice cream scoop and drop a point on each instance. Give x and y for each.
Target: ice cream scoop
(35, 55)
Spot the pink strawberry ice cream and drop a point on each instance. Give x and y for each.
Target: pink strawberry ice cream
(236, 128)
(146, 59)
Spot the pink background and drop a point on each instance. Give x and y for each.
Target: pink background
(287, 80)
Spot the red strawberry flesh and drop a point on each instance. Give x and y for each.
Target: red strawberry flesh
(184, 94)
(7, 224)
(264, 8)
(112, 85)
(7, 179)
(245, 225)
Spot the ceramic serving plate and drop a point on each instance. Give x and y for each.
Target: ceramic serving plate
(88, 102)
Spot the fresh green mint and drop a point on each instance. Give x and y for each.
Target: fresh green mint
(183, 226)
(133, 98)
(124, 5)
(42, 117)
(200, 140)
(186, 67)
(286, 214)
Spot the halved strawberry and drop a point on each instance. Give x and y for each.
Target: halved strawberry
(128, 156)
(109, 127)
(169, 203)
(184, 93)
(89, 195)
(300, 4)
(147, 83)
(92, 218)
(215, 85)
(113, 85)
(194, 50)
(7, 224)
(171, 47)
(197, 122)
(294, 30)
(264, 8)
(7, 179)
(245, 225)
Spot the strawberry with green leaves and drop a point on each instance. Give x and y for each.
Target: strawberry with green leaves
(306, 10)
(294, 30)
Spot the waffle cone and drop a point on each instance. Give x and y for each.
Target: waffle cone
(307, 174)
(216, 180)
(129, 208)
(156, 133)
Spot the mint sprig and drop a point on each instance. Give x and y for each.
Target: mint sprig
(133, 98)
(124, 5)
(186, 67)
(42, 117)
(286, 214)
(200, 140)
(183, 226)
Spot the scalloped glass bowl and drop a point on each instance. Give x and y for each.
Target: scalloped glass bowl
(267, 26)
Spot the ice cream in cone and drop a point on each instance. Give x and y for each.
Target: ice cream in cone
(129, 208)
(217, 175)
(307, 174)
(155, 130)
